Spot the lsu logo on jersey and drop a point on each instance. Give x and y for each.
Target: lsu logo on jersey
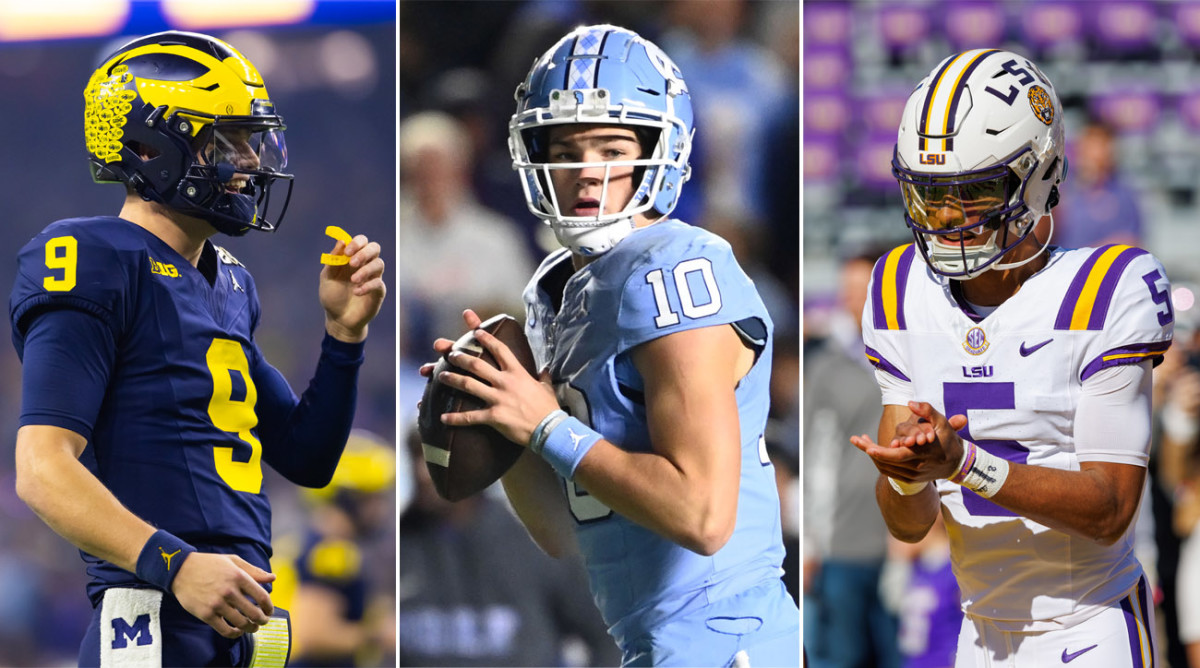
(163, 269)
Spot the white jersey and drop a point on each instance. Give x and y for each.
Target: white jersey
(1017, 374)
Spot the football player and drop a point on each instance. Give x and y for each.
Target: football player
(148, 409)
(1015, 377)
(645, 429)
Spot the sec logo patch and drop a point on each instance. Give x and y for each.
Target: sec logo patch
(976, 341)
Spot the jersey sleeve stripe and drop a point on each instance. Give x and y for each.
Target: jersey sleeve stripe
(882, 364)
(891, 279)
(1131, 354)
(1090, 294)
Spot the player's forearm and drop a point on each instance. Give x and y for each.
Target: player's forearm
(908, 518)
(696, 510)
(1089, 503)
(68, 498)
(536, 495)
(303, 439)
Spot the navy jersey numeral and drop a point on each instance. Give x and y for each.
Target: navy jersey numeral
(958, 398)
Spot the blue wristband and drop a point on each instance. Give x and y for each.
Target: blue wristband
(161, 558)
(566, 444)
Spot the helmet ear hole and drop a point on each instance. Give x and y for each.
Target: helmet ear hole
(144, 151)
(1052, 199)
(1049, 173)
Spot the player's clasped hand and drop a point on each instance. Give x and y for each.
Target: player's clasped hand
(516, 401)
(224, 591)
(925, 447)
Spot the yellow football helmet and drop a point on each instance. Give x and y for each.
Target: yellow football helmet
(184, 119)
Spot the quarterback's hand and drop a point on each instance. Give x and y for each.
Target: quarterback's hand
(352, 293)
(223, 591)
(516, 401)
(443, 346)
(926, 446)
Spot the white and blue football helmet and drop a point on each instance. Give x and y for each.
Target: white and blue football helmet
(983, 132)
(603, 74)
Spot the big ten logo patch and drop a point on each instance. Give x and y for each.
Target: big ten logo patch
(163, 269)
(139, 632)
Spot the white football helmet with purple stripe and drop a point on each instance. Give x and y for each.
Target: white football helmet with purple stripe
(603, 74)
(981, 138)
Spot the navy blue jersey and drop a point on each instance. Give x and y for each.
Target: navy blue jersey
(175, 404)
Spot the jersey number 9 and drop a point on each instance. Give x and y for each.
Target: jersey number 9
(62, 254)
(224, 357)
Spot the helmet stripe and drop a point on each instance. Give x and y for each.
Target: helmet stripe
(930, 92)
(585, 55)
(942, 100)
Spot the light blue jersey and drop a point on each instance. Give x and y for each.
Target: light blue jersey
(665, 278)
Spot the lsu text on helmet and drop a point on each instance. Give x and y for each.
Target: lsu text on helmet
(979, 157)
(603, 74)
(184, 119)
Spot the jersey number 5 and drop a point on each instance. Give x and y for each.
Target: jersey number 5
(225, 357)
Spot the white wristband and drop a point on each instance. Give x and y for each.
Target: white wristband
(981, 471)
(907, 488)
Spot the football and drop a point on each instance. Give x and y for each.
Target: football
(464, 460)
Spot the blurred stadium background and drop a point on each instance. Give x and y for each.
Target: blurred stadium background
(1131, 63)
(1128, 75)
(466, 239)
(330, 67)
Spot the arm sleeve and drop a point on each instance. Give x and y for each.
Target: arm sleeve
(303, 438)
(1112, 422)
(66, 363)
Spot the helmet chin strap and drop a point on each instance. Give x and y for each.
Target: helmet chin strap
(593, 241)
(1031, 258)
(954, 253)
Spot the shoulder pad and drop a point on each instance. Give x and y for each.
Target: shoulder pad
(85, 264)
(1090, 294)
(889, 280)
(681, 279)
(1121, 295)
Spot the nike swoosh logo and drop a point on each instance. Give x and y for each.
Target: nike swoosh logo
(1068, 658)
(1026, 352)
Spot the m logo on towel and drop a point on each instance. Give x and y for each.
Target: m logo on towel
(139, 631)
